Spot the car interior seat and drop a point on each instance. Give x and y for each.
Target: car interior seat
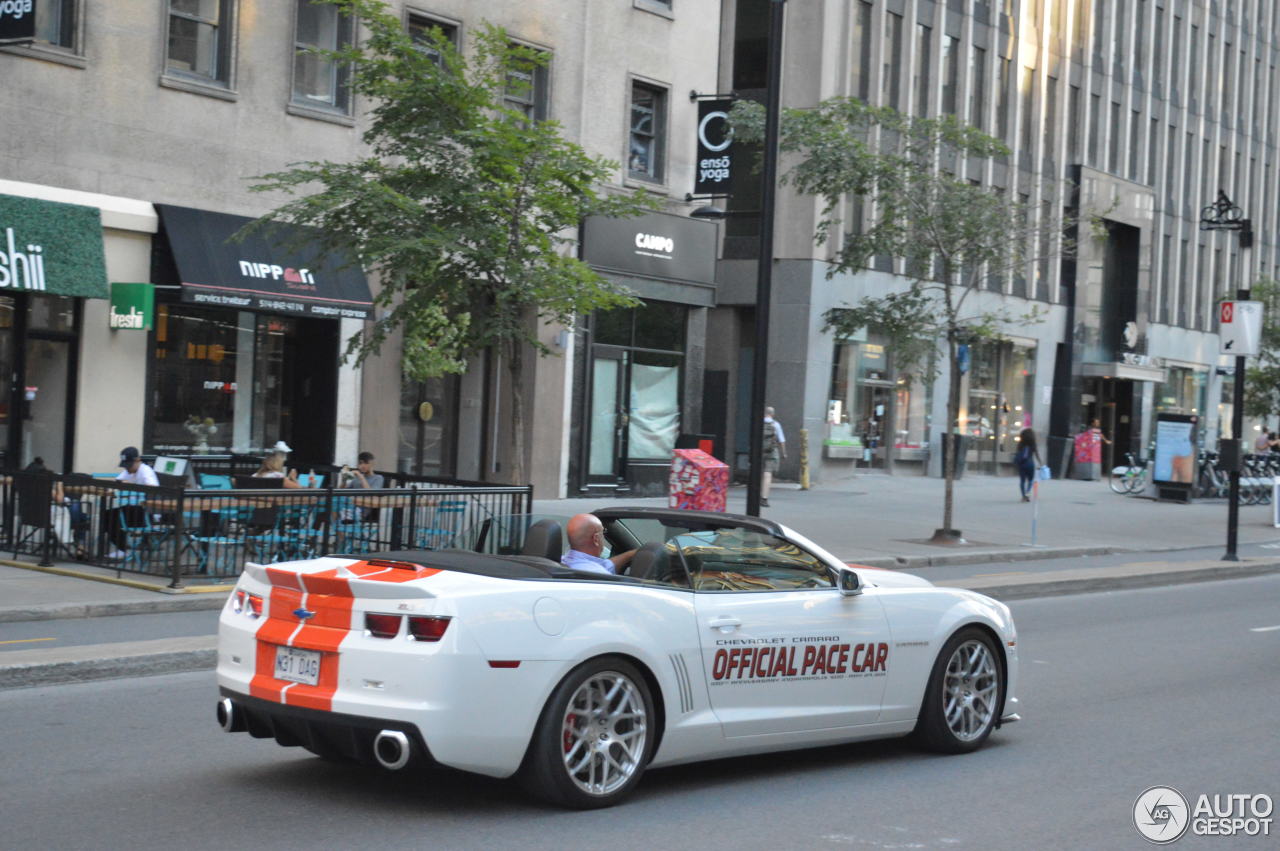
(652, 562)
(545, 540)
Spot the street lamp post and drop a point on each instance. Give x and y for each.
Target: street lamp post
(764, 276)
(1223, 215)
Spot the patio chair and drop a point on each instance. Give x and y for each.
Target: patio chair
(215, 549)
(356, 529)
(214, 482)
(144, 536)
(444, 522)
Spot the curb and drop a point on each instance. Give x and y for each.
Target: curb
(1092, 580)
(57, 611)
(119, 580)
(986, 557)
(31, 668)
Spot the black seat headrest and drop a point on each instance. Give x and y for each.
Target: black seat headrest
(651, 562)
(544, 539)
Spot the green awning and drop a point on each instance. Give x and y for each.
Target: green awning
(47, 247)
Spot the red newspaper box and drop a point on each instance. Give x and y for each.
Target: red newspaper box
(698, 481)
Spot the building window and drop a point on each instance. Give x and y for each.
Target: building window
(922, 81)
(200, 34)
(56, 23)
(861, 65)
(978, 90)
(648, 132)
(872, 404)
(319, 81)
(420, 27)
(950, 73)
(890, 86)
(526, 90)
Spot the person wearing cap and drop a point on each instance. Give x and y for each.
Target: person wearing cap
(273, 466)
(363, 476)
(135, 473)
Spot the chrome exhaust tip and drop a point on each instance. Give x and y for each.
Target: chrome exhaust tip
(391, 749)
(229, 719)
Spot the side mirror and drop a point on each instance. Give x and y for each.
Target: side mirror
(850, 585)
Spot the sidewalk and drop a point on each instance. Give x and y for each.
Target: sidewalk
(886, 520)
(883, 521)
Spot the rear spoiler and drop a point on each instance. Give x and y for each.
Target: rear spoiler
(340, 581)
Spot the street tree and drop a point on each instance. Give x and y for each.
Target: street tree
(464, 207)
(1262, 377)
(907, 178)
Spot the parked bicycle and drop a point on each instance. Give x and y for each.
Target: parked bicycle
(1130, 478)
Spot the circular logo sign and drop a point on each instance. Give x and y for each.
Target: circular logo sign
(706, 130)
(1161, 814)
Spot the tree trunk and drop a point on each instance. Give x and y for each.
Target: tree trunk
(515, 371)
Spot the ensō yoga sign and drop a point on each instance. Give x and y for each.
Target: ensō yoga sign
(17, 21)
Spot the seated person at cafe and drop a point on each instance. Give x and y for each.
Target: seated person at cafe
(586, 542)
(363, 476)
(135, 473)
(273, 466)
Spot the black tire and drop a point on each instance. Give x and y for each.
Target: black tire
(938, 731)
(562, 733)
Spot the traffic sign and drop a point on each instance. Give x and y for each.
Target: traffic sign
(1240, 327)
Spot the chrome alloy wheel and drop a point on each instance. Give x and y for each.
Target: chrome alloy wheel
(970, 689)
(604, 733)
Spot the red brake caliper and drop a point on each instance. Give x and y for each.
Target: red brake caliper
(571, 724)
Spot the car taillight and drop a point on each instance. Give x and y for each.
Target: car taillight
(382, 626)
(428, 629)
(255, 605)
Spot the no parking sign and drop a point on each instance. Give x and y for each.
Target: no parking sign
(1240, 327)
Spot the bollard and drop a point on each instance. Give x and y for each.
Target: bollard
(804, 459)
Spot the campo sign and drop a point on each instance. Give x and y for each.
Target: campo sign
(17, 21)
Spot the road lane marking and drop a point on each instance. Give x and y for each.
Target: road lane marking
(1005, 573)
(1265, 628)
(26, 640)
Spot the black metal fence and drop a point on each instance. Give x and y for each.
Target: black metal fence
(208, 534)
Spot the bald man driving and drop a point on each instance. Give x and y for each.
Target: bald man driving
(586, 542)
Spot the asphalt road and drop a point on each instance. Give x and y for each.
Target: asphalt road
(1121, 691)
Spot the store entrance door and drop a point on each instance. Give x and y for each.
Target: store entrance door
(312, 417)
(46, 395)
(1111, 402)
(607, 449)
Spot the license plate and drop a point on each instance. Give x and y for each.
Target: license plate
(299, 666)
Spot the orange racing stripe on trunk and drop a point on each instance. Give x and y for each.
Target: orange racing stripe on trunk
(325, 631)
(276, 630)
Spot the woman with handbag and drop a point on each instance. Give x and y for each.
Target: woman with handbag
(1027, 460)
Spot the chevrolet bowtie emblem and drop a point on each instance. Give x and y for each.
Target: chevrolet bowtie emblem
(303, 614)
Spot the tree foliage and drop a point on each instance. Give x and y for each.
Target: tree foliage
(953, 234)
(463, 207)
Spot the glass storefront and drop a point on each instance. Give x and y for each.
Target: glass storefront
(1183, 392)
(224, 381)
(996, 398)
(869, 406)
(637, 370)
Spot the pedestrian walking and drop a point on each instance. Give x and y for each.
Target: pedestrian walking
(1088, 452)
(775, 449)
(1027, 460)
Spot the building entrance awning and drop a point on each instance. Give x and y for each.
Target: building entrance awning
(282, 269)
(51, 248)
(1128, 371)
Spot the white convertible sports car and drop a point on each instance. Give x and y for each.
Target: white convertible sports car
(726, 635)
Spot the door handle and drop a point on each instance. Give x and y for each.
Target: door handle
(724, 624)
